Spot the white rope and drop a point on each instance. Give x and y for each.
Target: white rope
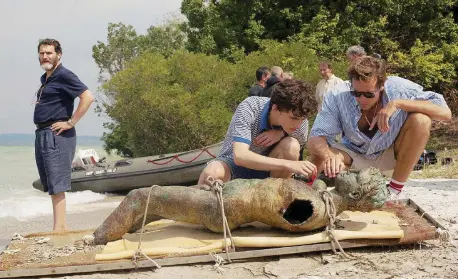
(217, 187)
(219, 261)
(445, 238)
(331, 213)
(138, 253)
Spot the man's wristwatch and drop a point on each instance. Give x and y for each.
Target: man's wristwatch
(71, 123)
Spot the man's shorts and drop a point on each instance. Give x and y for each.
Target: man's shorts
(54, 156)
(242, 172)
(385, 162)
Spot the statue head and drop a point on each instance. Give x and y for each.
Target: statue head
(363, 190)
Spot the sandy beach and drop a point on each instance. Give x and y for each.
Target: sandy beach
(428, 260)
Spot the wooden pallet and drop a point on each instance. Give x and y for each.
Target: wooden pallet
(418, 225)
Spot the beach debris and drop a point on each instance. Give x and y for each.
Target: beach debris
(47, 255)
(42, 240)
(17, 236)
(88, 239)
(10, 252)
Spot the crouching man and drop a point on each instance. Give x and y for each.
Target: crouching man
(385, 123)
(265, 136)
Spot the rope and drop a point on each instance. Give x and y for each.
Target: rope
(176, 157)
(219, 261)
(445, 238)
(217, 187)
(331, 213)
(138, 253)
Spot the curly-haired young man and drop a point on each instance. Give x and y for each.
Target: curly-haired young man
(266, 135)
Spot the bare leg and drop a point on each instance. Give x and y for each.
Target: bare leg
(217, 170)
(319, 162)
(59, 209)
(288, 149)
(410, 144)
(177, 203)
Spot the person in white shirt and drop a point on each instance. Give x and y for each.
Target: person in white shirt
(328, 82)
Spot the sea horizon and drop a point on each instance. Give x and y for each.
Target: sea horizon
(18, 139)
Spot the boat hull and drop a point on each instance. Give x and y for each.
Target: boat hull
(124, 175)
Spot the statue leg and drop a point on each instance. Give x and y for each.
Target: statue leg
(186, 204)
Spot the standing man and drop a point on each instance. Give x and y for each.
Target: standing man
(277, 76)
(354, 52)
(385, 123)
(329, 82)
(55, 136)
(265, 136)
(262, 75)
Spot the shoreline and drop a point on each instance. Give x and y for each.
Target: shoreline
(428, 260)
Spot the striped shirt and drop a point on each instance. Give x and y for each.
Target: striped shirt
(341, 113)
(251, 119)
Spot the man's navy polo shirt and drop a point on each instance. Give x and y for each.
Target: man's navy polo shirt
(251, 119)
(56, 96)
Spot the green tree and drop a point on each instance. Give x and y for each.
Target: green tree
(122, 46)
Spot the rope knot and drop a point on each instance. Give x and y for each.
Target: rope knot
(331, 213)
(217, 186)
(138, 253)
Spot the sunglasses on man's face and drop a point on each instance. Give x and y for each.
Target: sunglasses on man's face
(367, 94)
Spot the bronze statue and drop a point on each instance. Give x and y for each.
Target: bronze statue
(288, 204)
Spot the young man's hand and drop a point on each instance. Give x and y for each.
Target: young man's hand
(302, 167)
(333, 165)
(269, 138)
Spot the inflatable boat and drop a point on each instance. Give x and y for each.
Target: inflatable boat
(92, 173)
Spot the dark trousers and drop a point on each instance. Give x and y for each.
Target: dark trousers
(54, 155)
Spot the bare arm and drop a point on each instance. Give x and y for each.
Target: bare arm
(248, 159)
(435, 112)
(319, 147)
(86, 100)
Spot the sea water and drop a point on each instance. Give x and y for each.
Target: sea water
(18, 199)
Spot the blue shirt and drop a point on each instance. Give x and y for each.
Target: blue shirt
(56, 96)
(341, 113)
(251, 119)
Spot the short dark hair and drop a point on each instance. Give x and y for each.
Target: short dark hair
(367, 67)
(51, 42)
(327, 63)
(261, 71)
(296, 96)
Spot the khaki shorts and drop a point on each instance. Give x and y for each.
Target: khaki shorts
(385, 162)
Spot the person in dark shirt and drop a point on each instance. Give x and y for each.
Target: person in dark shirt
(55, 136)
(277, 76)
(262, 75)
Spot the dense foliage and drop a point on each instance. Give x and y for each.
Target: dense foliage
(175, 87)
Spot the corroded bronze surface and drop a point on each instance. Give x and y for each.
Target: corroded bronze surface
(283, 203)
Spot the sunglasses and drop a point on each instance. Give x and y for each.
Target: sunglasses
(367, 94)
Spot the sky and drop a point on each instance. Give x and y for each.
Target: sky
(77, 25)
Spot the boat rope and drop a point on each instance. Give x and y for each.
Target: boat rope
(217, 187)
(176, 157)
(138, 253)
(331, 212)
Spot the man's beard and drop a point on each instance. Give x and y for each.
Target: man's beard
(47, 66)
